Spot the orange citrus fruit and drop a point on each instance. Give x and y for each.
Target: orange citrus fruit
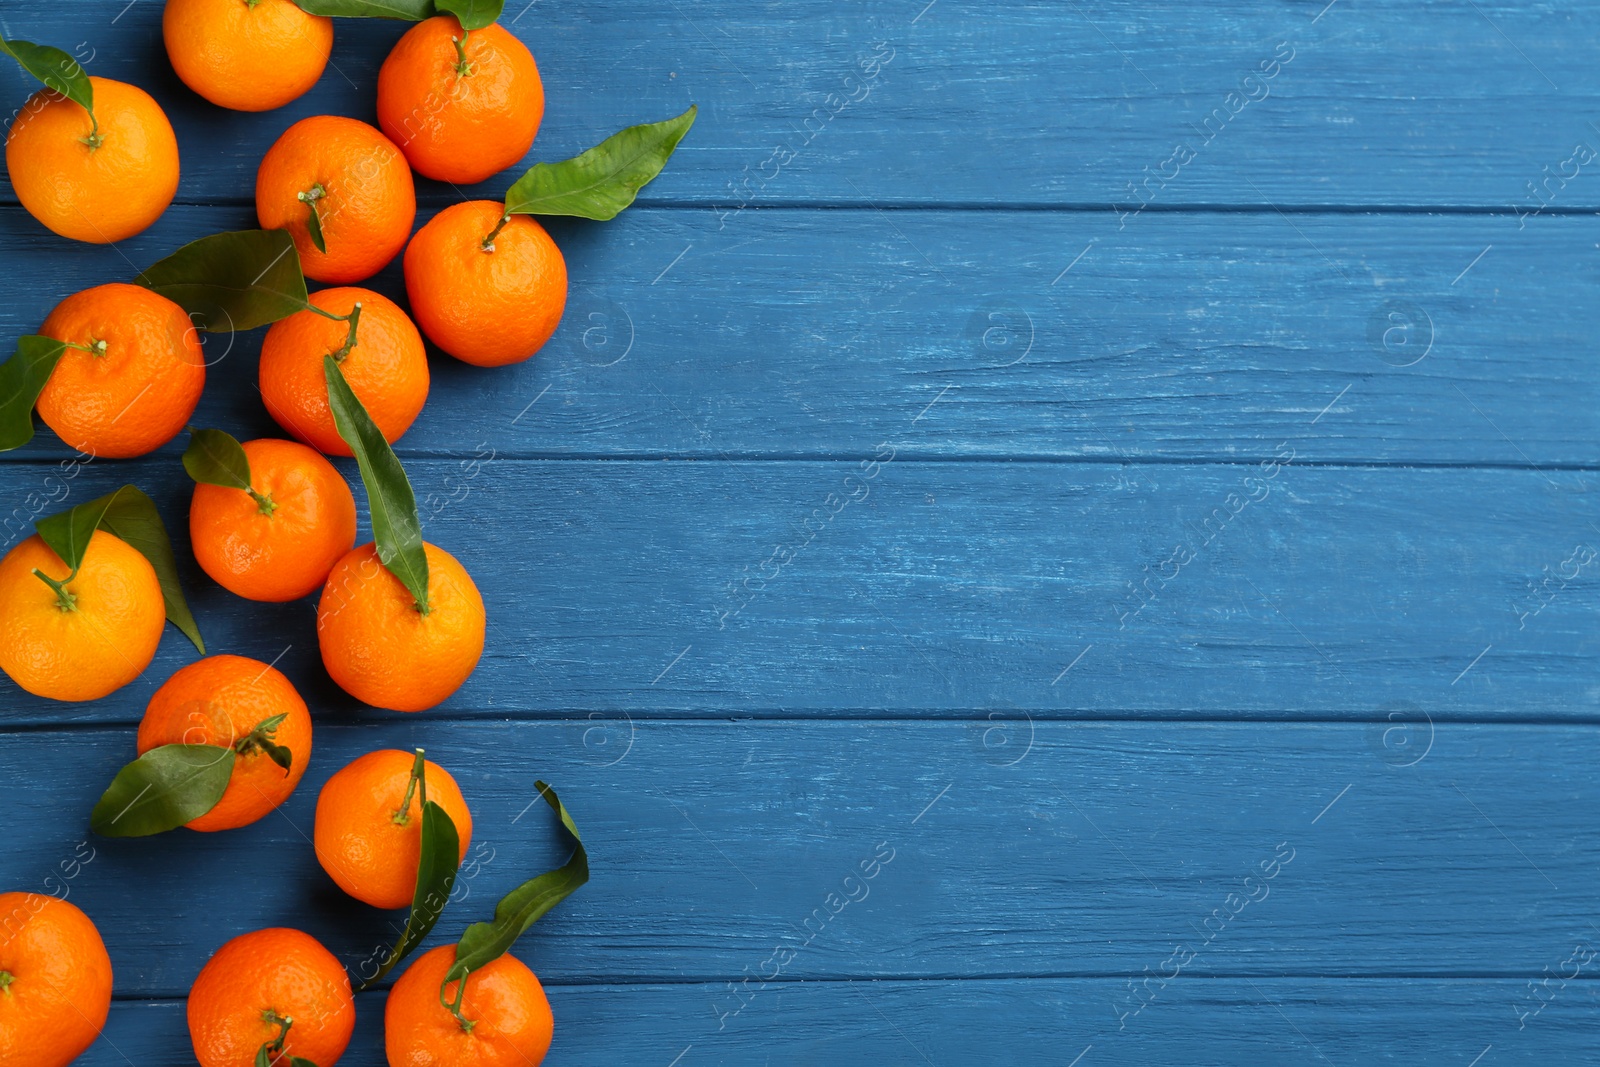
(98, 180)
(132, 377)
(387, 368)
(265, 986)
(55, 981)
(248, 55)
(280, 543)
(509, 1016)
(486, 304)
(357, 182)
(223, 701)
(380, 649)
(368, 835)
(92, 637)
(462, 111)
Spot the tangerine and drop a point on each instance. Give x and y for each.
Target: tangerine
(55, 981)
(82, 636)
(279, 540)
(486, 288)
(381, 649)
(387, 367)
(505, 1016)
(357, 184)
(368, 835)
(229, 701)
(131, 376)
(98, 178)
(274, 989)
(250, 56)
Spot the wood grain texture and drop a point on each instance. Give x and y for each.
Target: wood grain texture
(957, 588)
(993, 848)
(1446, 104)
(1220, 1023)
(819, 333)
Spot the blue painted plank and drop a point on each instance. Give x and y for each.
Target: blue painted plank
(1007, 102)
(819, 333)
(954, 588)
(1221, 1023)
(991, 847)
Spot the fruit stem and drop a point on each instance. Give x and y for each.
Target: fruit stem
(275, 1046)
(94, 140)
(349, 338)
(454, 1006)
(6, 978)
(64, 598)
(463, 68)
(98, 348)
(488, 242)
(403, 815)
(264, 502)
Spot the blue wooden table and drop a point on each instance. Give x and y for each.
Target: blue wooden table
(1054, 533)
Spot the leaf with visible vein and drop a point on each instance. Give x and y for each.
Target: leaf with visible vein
(215, 457)
(232, 281)
(472, 14)
(484, 942)
(54, 68)
(600, 183)
(436, 877)
(22, 379)
(393, 506)
(162, 790)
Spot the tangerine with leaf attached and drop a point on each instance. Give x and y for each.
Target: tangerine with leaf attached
(505, 1016)
(277, 990)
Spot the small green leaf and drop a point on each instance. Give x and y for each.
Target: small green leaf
(131, 516)
(261, 737)
(232, 281)
(314, 226)
(485, 942)
(602, 181)
(162, 790)
(436, 877)
(215, 457)
(22, 379)
(472, 14)
(406, 10)
(392, 504)
(262, 1057)
(55, 68)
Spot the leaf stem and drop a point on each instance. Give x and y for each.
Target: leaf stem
(97, 348)
(350, 338)
(454, 1006)
(463, 68)
(488, 242)
(64, 598)
(403, 815)
(94, 140)
(272, 1018)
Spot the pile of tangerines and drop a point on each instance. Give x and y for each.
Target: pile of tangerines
(117, 370)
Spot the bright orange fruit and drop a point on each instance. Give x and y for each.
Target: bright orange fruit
(95, 637)
(282, 546)
(508, 1013)
(358, 183)
(485, 303)
(380, 649)
(369, 825)
(95, 184)
(133, 377)
(223, 700)
(387, 369)
(267, 985)
(248, 55)
(55, 981)
(462, 111)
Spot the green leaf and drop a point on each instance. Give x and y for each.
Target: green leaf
(485, 942)
(22, 379)
(436, 877)
(55, 68)
(602, 181)
(472, 14)
(215, 457)
(162, 790)
(263, 1058)
(408, 10)
(131, 516)
(232, 281)
(392, 504)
